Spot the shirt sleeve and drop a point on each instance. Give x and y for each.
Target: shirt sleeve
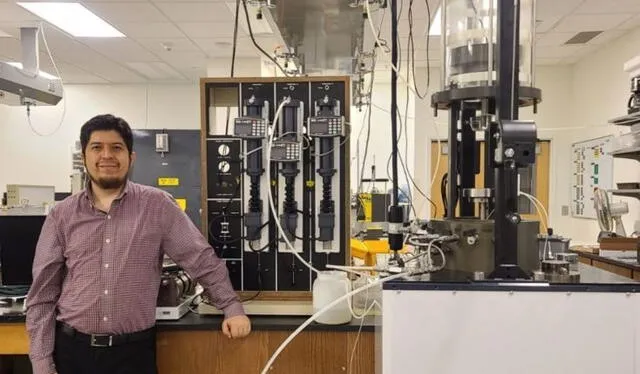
(41, 303)
(183, 242)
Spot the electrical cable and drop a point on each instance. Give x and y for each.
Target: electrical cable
(274, 211)
(253, 39)
(328, 307)
(364, 314)
(411, 41)
(377, 40)
(233, 57)
(62, 89)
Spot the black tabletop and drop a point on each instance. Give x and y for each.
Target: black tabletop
(193, 321)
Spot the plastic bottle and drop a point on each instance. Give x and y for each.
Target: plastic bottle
(329, 286)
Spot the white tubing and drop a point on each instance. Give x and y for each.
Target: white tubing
(306, 323)
(539, 207)
(274, 211)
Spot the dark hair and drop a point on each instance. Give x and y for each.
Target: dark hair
(106, 122)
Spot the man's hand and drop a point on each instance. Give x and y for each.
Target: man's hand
(236, 327)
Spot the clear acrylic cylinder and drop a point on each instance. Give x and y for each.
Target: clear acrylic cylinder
(469, 37)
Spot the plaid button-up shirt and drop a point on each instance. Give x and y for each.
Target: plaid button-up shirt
(100, 272)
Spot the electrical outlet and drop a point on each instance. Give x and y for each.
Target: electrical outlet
(565, 210)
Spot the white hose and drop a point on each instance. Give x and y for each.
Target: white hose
(384, 53)
(539, 208)
(306, 323)
(274, 211)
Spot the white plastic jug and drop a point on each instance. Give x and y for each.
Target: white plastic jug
(329, 286)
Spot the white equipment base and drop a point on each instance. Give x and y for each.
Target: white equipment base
(502, 332)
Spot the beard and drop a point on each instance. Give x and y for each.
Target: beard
(108, 183)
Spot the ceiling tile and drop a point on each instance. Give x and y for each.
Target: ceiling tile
(591, 22)
(10, 47)
(558, 51)
(632, 23)
(550, 8)
(196, 12)
(186, 60)
(156, 71)
(244, 47)
(150, 30)
(609, 6)
(118, 49)
(10, 12)
(114, 1)
(550, 12)
(548, 61)
(207, 30)
(72, 74)
(194, 74)
(127, 12)
(168, 45)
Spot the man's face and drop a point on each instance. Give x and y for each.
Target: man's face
(107, 159)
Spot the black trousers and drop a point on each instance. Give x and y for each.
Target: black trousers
(73, 356)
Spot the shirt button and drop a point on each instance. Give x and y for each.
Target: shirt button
(105, 319)
(109, 217)
(106, 292)
(108, 241)
(106, 266)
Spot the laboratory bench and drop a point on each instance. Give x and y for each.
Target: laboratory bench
(623, 266)
(194, 344)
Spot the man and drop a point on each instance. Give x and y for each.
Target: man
(96, 272)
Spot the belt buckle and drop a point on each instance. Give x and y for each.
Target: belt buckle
(99, 341)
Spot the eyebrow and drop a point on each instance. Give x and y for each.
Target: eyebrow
(114, 143)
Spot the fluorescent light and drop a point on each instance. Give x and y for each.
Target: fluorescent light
(74, 19)
(41, 73)
(436, 23)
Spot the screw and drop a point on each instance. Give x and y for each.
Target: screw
(509, 152)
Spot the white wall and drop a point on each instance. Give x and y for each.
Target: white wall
(28, 158)
(600, 92)
(380, 143)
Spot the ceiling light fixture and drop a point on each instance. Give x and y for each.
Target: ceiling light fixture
(73, 18)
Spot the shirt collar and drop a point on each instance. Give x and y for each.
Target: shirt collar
(88, 194)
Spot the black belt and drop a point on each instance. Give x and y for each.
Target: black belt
(106, 340)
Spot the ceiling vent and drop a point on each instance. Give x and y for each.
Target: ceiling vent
(582, 37)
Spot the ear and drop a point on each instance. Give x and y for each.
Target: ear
(132, 158)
